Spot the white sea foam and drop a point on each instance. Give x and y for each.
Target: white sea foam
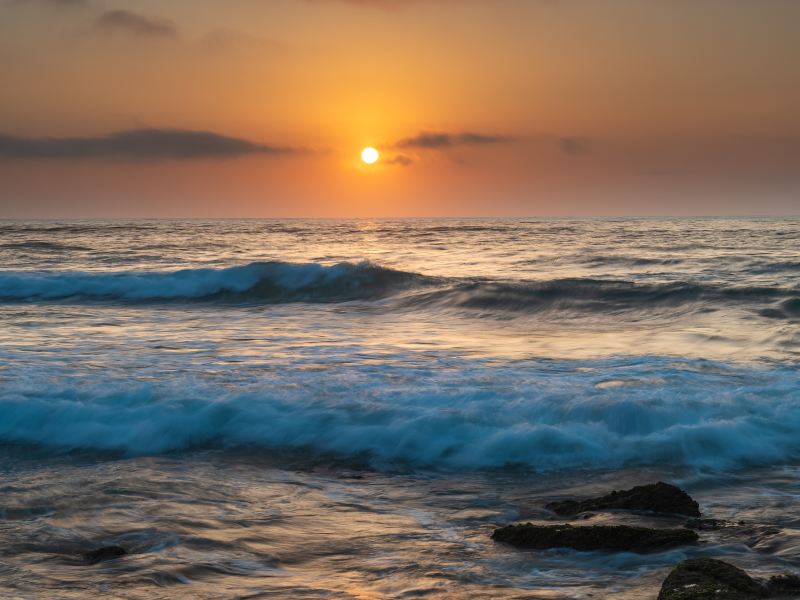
(471, 418)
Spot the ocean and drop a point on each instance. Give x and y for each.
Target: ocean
(348, 409)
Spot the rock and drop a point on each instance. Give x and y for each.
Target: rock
(656, 497)
(707, 579)
(105, 553)
(593, 537)
(784, 584)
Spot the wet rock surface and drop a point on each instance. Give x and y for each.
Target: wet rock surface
(707, 578)
(655, 497)
(593, 537)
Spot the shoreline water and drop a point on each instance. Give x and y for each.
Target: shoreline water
(270, 529)
(249, 419)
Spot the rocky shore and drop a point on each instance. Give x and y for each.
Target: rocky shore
(700, 578)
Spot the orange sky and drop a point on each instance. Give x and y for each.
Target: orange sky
(479, 107)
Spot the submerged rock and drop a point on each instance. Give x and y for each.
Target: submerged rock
(707, 579)
(780, 585)
(707, 524)
(593, 537)
(656, 497)
(105, 553)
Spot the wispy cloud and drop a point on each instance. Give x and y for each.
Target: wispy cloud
(129, 22)
(567, 144)
(223, 38)
(400, 159)
(400, 4)
(138, 144)
(55, 3)
(383, 4)
(432, 140)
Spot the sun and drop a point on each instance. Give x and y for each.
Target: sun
(369, 155)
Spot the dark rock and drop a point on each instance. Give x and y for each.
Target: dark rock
(707, 579)
(784, 584)
(656, 497)
(593, 537)
(105, 553)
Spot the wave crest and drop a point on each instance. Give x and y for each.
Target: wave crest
(265, 281)
(590, 295)
(651, 411)
(278, 282)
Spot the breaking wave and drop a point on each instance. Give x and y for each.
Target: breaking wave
(267, 281)
(558, 416)
(595, 295)
(280, 282)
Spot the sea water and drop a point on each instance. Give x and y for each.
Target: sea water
(347, 409)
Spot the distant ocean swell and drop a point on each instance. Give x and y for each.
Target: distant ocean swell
(276, 282)
(602, 415)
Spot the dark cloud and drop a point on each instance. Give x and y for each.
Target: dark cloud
(125, 21)
(138, 144)
(429, 140)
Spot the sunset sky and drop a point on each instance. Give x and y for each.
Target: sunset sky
(260, 108)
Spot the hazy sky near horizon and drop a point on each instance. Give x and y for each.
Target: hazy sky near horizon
(248, 108)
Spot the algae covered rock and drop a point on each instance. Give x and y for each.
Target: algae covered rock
(655, 497)
(593, 537)
(707, 579)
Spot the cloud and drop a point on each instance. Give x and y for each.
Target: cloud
(400, 159)
(399, 4)
(572, 145)
(569, 145)
(433, 140)
(383, 4)
(391, 5)
(125, 21)
(137, 144)
(223, 38)
(57, 3)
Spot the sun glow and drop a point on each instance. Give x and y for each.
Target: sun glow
(369, 155)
